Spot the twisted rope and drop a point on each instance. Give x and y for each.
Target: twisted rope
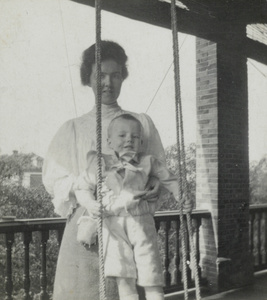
(181, 160)
(194, 256)
(102, 285)
(178, 138)
(184, 265)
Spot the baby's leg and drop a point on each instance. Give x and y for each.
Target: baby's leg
(127, 288)
(154, 293)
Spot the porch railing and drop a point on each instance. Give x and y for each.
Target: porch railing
(27, 227)
(258, 235)
(168, 225)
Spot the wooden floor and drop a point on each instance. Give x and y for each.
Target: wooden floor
(257, 291)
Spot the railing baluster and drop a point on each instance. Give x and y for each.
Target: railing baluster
(157, 225)
(8, 278)
(166, 260)
(254, 240)
(265, 237)
(259, 238)
(177, 276)
(188, 266)
(262, 239)
(27, 238)
(251, 220)
(59, 235)
(43, 279)
(196, 224)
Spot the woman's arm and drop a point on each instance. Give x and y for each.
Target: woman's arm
(84, 186)
(60, 169)
(152, 144)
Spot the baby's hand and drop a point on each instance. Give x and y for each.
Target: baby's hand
(140, 195)
(94, 208)
(152, 189)
(85, 199)
(131, 200)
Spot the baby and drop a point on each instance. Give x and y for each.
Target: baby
(131, 252)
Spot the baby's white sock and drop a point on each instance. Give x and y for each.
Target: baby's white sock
(154, 296)
(131, 297)
(154, 293)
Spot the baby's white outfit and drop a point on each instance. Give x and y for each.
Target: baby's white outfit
(129, 235)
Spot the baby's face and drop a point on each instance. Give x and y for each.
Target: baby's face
(125, 135)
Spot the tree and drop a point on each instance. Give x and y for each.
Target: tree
(25, 203)
(172, 163)
(258, 181)
(30, 203)
(13, 166)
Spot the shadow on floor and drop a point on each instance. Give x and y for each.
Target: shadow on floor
(257, 291)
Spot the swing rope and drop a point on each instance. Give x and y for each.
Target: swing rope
(102, 284)
(180, 153)
(177, 97)
(181, 163)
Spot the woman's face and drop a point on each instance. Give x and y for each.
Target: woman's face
(111, 81)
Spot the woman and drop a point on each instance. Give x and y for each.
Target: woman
(77, 267)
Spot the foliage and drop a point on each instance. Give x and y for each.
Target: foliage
(258, 181)
(13, 166)
(25, 203)
(169, 202)
(9, 168)
(258, 176)
(32, 203)
(28, 203)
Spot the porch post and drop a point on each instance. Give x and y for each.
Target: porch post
(222, 159)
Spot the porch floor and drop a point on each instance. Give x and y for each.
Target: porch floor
(257, 291)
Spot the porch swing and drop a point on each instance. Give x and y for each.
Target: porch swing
(183, 194)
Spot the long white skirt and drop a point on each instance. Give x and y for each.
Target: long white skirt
(77, 273)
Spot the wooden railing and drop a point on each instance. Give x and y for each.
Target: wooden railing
(258, 236)
(27, 228)
(168, 225)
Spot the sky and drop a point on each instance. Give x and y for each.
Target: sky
(41, 43)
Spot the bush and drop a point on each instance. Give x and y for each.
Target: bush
(167, 201)
(258, 181)
(27, 203)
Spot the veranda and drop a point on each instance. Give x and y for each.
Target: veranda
(230, 235)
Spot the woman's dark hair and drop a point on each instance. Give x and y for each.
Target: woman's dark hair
(109, 50)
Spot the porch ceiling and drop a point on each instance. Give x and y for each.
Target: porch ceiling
(194, 16)
(215, 20)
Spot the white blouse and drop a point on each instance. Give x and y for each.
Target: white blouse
(67, 154)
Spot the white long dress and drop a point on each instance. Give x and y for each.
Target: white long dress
(77, 268)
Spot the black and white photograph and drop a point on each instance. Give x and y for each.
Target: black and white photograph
(133, 149)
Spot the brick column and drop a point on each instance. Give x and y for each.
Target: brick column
(222, 162)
